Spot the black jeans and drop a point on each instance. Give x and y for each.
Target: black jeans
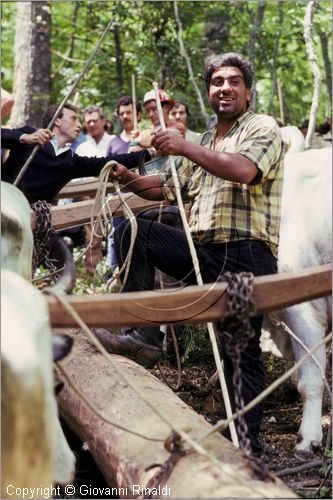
(165, 247)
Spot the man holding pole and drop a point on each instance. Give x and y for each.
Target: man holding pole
(54, 164)
(234, 179)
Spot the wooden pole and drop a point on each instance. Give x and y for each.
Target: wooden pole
(196, 266)
(135, 116)
(278, 83)
(63, 103)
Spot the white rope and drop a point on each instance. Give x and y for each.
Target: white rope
(101, 215)
(210, 326)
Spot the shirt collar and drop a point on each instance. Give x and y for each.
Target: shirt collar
(57, 150)
(237, 123)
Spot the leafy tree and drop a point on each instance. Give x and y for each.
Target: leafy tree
(144, 43)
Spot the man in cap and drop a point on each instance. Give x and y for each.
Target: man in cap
(150, 105)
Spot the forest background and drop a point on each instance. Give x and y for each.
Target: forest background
(44, 46)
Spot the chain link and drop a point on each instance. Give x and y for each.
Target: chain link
(236, 331)
(43, 235)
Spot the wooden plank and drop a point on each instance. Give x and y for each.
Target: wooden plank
(76, 214)
(83, 188)
(191, 304)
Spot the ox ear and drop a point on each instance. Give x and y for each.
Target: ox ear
(61, 345)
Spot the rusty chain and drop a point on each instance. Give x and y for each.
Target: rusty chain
(43, 234)
(173, 444)
(236, 331)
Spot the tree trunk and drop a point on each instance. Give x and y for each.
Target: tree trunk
(128, 461)
(275, 60)
(72, 44)
(253, 41)
(32, 63)
(327, 62)
(216, 30)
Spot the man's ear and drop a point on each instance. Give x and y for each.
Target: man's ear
(57, 122)
(248, 95)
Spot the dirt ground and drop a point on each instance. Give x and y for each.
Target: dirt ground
(282, 417)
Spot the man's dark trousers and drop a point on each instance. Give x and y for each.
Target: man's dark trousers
(166, 248)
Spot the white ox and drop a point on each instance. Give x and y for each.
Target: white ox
(305, 241)
(34, 449)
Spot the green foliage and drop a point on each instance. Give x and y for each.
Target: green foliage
(148, 48)
(85, 283)
(193, 342)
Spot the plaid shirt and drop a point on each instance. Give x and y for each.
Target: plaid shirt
(224, 211)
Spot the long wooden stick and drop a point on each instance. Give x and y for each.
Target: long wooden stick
(135, 116)
(62, 105)
(278, 83)
(195, 260)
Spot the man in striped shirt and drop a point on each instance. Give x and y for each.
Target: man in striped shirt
(234, 180)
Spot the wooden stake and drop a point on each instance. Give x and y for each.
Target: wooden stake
(135, 116)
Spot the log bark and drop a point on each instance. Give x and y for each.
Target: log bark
(124, 458)
(32, 63)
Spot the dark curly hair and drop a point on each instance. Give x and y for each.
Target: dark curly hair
(229, 59)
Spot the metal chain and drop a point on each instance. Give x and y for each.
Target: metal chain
(236, 331)
(42, 240)
(174, 445)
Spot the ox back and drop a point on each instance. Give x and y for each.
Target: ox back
(305, 241)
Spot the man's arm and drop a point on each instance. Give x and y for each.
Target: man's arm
(11, 138)
(145, 186)
(7, 102)
(229, 166)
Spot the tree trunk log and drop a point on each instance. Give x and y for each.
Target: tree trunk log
(124, 458)
(32, 63)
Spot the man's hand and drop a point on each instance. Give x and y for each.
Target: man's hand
(121, 174)
(41, 136)
(169, 142)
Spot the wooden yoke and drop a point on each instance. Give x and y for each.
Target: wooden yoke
(191, 304)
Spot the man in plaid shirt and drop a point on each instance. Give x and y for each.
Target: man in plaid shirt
(234, 179)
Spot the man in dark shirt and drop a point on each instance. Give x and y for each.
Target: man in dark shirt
(54, 163)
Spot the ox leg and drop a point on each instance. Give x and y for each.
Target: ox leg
(302, 321)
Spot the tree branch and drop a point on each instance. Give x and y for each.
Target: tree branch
(188, 62)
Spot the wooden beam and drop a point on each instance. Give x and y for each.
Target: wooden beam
(83, 188)
(191, 304)
(76, 214)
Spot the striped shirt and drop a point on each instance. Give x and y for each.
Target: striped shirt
(224, 211)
